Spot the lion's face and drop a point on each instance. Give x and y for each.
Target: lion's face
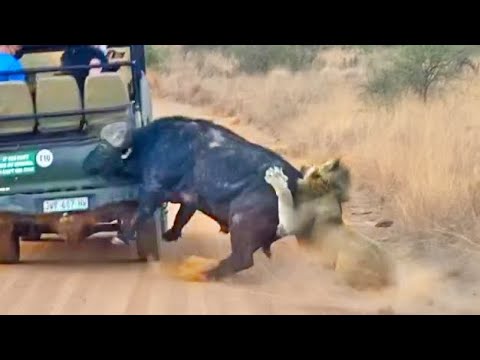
(331, 175)
(312, 175)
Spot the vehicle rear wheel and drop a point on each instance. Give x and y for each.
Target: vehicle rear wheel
(149, 236)
(10, 248)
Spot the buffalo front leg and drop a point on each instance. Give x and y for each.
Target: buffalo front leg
(183, 216)
(147, 205)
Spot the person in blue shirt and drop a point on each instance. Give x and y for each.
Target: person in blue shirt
(9, 62)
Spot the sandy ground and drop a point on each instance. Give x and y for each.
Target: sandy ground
(99, 278)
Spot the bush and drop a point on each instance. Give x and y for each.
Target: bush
(263, 58)
(417, 68)
(382, 86)
(157, 56)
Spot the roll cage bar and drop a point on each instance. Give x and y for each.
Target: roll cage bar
(137, 64)
(137, 51)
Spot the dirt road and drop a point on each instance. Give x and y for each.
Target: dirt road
(100, 278)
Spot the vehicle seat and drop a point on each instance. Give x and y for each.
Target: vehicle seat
(105, 90)
(15, 99)
(57, 94)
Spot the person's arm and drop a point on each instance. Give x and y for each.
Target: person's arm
(100, 55)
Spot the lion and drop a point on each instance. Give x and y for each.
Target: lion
(314, 216)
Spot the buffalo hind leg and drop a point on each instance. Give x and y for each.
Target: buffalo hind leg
(247, 236)
(183, 216)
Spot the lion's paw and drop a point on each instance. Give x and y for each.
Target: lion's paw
(276, 178)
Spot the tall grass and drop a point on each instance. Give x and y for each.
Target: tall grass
(424, 159)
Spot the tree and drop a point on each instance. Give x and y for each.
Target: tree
(418, 68)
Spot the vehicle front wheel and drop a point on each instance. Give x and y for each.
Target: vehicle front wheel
(9, 248)
(149, 236)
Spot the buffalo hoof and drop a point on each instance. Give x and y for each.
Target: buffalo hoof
(117, 241)
(127, 236)
(171, 235)
(267, 251)
(224, 229)
(195, 269)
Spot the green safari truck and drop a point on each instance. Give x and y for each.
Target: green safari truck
(47, 129)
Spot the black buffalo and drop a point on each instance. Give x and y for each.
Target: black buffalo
(202, 166)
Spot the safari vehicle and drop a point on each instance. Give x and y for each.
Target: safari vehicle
(47, 131)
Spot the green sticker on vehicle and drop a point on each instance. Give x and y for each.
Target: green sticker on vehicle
(18, 164)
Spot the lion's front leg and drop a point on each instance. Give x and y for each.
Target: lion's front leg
(286, 210)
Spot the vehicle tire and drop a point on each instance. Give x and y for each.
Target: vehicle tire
(149, 236)
(10, 249)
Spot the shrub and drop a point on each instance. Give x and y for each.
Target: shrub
(263, 58)
(417, 68)
(157, 56)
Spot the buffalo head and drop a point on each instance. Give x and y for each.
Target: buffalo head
(114, 146)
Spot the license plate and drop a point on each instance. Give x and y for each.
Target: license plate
(65, 205)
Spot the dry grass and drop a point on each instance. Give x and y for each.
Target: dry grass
(421, 158)
(424, 159)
